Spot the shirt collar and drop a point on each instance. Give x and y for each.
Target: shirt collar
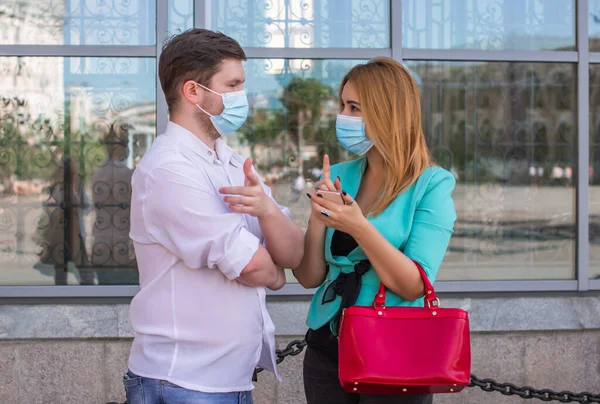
(226, 154)
(196, 145)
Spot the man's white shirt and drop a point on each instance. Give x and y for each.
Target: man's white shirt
(195, 325)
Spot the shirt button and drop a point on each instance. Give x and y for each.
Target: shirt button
(210, 153)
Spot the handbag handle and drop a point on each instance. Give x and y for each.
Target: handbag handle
(431, 300)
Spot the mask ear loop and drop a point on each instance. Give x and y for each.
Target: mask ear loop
(207, 89)
(202, 109)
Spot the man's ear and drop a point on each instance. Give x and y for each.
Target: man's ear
(192, 92)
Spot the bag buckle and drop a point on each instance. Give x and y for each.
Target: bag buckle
(435, 303)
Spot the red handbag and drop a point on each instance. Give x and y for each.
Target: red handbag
(404, 350)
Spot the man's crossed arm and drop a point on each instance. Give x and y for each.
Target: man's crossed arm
(186, 217)
(284, 239)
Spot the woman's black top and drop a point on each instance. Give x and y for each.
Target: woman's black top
(346, 286)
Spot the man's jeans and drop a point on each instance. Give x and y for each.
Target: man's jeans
(142, 390)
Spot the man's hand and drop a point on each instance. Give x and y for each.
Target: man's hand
(250, 198)
(283, 238)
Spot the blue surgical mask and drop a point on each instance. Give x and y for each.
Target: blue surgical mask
(350, 132)
(235, 111)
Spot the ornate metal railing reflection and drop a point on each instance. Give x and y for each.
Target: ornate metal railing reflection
(65, 197)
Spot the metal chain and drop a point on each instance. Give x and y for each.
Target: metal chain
(528, 393)
(296, 347)
(292, 349)
(488, 385)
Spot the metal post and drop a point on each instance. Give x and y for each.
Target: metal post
(583, 146)
(201, 14)
(396, 29)
(162, 27)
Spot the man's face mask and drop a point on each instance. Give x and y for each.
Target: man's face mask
(235, 111)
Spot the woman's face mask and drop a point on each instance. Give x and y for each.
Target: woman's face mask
(350, 132)
(235, 111)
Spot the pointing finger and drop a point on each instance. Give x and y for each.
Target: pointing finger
(326, 168)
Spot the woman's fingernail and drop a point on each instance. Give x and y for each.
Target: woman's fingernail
(309, 197)
(319, 195)
(337, 178)
(344, 193)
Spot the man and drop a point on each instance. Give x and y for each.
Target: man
(208, 239)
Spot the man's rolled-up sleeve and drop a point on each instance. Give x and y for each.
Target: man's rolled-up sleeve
(242, 246)
(188, 219)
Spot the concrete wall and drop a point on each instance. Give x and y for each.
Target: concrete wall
(77, 354)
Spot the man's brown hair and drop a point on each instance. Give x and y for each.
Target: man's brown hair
(196, 55)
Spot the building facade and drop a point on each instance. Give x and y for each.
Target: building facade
(510, 97)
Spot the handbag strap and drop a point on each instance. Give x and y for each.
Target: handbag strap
(431, 300)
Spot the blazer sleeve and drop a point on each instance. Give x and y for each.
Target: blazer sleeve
(433, 224)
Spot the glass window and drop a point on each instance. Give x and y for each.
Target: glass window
(508, 133)
(304, 23)
(78, 22)
(489, 24)
(72, 129)
(181, 15)
(594, 25)
(594, 171)
(71, 133)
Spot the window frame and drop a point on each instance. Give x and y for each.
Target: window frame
(202, 17)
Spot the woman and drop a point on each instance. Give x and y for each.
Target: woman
(397, 210)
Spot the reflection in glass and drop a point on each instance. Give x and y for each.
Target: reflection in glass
(594, 25)
(71, 132)
(78, 22)
(594, 171)
(489, 24)
(111, 194)
(507, 131)
(304, 23)
(181, 16)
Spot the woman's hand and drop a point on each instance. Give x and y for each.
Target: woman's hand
(347, 218)
(312, 269)
(326, 184)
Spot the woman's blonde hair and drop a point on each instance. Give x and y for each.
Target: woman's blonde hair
(391, 110)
